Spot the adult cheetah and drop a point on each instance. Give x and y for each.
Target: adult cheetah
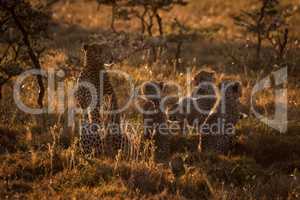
(98, 134)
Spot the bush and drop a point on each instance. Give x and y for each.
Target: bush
(268, 149)
(146, 180)
(31, 168)
(277, 187)
(238, 171)
(8, 140)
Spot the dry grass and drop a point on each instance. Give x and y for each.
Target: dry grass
(39, 158)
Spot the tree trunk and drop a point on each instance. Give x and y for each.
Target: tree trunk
(143, 21)
(32, 55)
(159, 23)
(113, 13)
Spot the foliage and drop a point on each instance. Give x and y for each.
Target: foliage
(129, 9)
(23, 30)
(267, 22)
(36, 159)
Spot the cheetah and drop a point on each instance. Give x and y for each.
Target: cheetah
(204, 76)
(176, 165)
(190, 112)
(194, 109)
(154, 117)
(97, 134)
(227, 115)
(203, 82)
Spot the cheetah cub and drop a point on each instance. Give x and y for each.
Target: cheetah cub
(220, 132)
(191, 111)
(154, 117)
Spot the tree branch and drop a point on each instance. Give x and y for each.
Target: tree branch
(159, 22)
(32, 55)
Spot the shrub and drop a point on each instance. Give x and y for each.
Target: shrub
(193, 185)
(268, 149)
(237, 170)
(146, 180)
(8, 140)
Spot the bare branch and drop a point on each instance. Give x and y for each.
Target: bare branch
(4, 21)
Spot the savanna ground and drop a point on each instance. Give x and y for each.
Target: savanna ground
(38, 154)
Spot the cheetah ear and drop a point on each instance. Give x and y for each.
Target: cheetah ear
(85, 47)
(195, 81)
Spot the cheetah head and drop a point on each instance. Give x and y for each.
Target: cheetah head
(98, 54)
(177, 112)
(173, 113)
(203, 76)
(152, 90)
(231, 89)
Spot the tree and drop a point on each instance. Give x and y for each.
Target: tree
(151, 12)
(114, 10)
(22, 28)
(267, 22)
(147, 11)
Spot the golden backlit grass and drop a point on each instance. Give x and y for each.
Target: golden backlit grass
(40, 159)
